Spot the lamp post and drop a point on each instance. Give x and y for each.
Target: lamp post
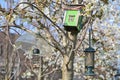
(36, 52)
(89, 58)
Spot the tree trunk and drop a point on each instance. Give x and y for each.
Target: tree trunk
(68, 60)
(6, 53)
(67, 68)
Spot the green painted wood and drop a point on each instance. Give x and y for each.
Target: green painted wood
(72, 19)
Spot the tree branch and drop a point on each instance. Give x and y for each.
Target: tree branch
(42, 14)
(77, 46)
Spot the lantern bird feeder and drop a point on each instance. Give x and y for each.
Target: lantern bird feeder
(72, 19)
(89, 58)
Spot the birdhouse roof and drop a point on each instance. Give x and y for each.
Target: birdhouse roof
(74, 7)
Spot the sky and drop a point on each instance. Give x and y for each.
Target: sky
(3, 3)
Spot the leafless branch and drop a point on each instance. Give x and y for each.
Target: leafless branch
(56, 43)
(21, 27)
(42, 14)
(83, 37)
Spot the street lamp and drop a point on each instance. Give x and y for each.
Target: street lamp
(36, 52)
(40, 48)
(89, 58)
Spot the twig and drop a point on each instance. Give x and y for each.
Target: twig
(49, 72)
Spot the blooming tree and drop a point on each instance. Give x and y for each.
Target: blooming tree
(44, 18)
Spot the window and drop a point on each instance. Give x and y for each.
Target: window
(71, 18)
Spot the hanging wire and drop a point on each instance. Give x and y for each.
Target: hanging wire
(90, 36)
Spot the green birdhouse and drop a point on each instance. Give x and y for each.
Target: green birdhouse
(72, 20)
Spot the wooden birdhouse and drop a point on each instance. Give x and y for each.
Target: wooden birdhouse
(72, 19)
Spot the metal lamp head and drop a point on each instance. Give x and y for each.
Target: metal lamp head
(36, 51)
